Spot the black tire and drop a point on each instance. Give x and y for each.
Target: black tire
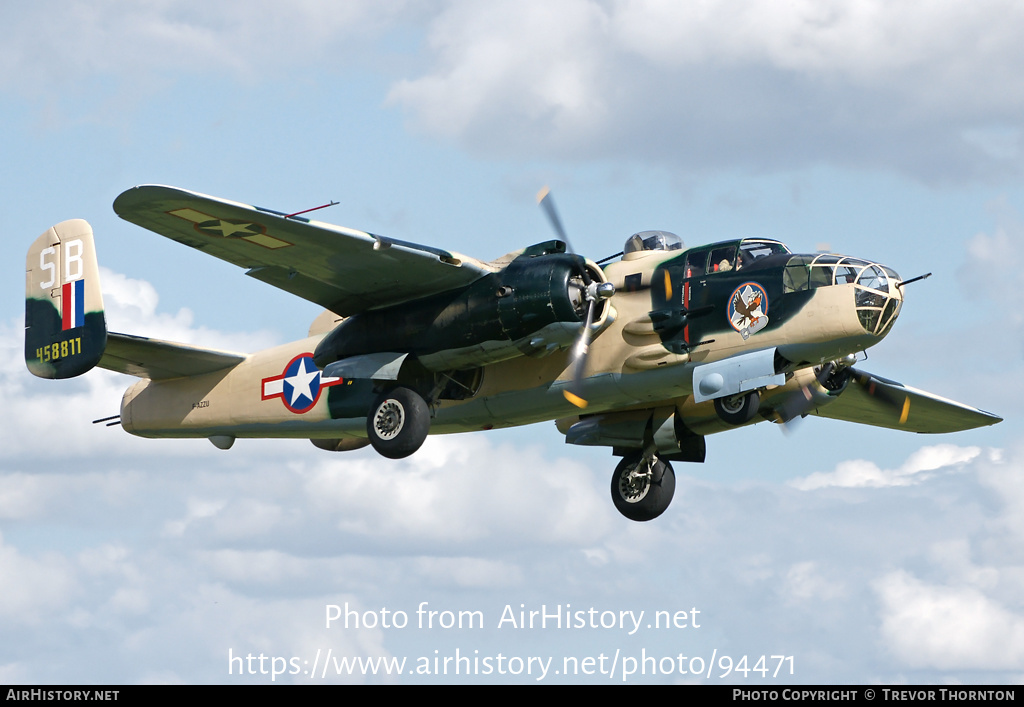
(398, 422)
(642, 498)
(738, 409)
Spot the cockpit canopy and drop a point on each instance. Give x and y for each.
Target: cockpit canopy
(733, 255)
(652, 240)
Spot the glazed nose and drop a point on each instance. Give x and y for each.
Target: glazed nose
(878, 299)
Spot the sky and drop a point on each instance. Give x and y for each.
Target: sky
(835, 553)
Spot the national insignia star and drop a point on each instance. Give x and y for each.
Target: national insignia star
(228, 229)
(300, 381)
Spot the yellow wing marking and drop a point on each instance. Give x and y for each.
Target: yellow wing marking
(241, 230)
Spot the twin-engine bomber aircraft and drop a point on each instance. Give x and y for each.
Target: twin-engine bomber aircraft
(645, 355)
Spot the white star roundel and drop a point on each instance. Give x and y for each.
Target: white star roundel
(300, 384)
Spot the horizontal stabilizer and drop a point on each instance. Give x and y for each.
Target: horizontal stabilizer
(870, 400)
(155, 359)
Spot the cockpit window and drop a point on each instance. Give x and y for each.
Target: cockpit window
(725, 258)
(652, 240)
(751, 251)
(722, 259)
(695, 263)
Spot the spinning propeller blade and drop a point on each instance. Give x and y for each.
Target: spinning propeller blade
(873, 387)
(800, 402)
(592, 291)
(574, 393)
(547, 203)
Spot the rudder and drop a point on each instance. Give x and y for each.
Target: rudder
(65, 329)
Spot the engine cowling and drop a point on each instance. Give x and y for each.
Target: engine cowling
(534, 303)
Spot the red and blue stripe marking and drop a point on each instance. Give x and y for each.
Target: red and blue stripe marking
(72, 304)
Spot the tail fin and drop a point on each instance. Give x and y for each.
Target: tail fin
(65, 330)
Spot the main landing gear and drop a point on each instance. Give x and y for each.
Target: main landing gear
(738, 409)
(398, 422)
(642, 486)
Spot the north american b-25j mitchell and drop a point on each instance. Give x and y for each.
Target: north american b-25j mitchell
(647, 354)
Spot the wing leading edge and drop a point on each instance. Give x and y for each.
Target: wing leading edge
(341, 269)
(870, 400)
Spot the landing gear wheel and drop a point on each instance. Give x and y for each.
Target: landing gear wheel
(641, 489)
(398, 423)
(738, 409)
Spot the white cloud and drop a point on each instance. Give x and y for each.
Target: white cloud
(264, 537)
(145, 40)
(866, 40)
(1000, 142)
(196, 509)
(1003, 477)
(918, 468)
(804, 581)
(915, 88)
(538, 62)
(33, 588)
(460, 491)
(953, 557)
(948, 628)
(131, 308)
(993, 263)
(53, 418)
(930, 90)
(469, 572)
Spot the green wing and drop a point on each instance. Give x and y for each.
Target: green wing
(871, 400)
(341, 269)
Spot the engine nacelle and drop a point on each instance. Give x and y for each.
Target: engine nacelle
(535, 303)
(805, 384)
(636, 430)
(831, 388)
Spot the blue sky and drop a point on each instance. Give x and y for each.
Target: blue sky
(886, 130)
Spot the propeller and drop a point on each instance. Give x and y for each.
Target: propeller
(547, 203)
(800, 402)
(876, 388)
(592, 292)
